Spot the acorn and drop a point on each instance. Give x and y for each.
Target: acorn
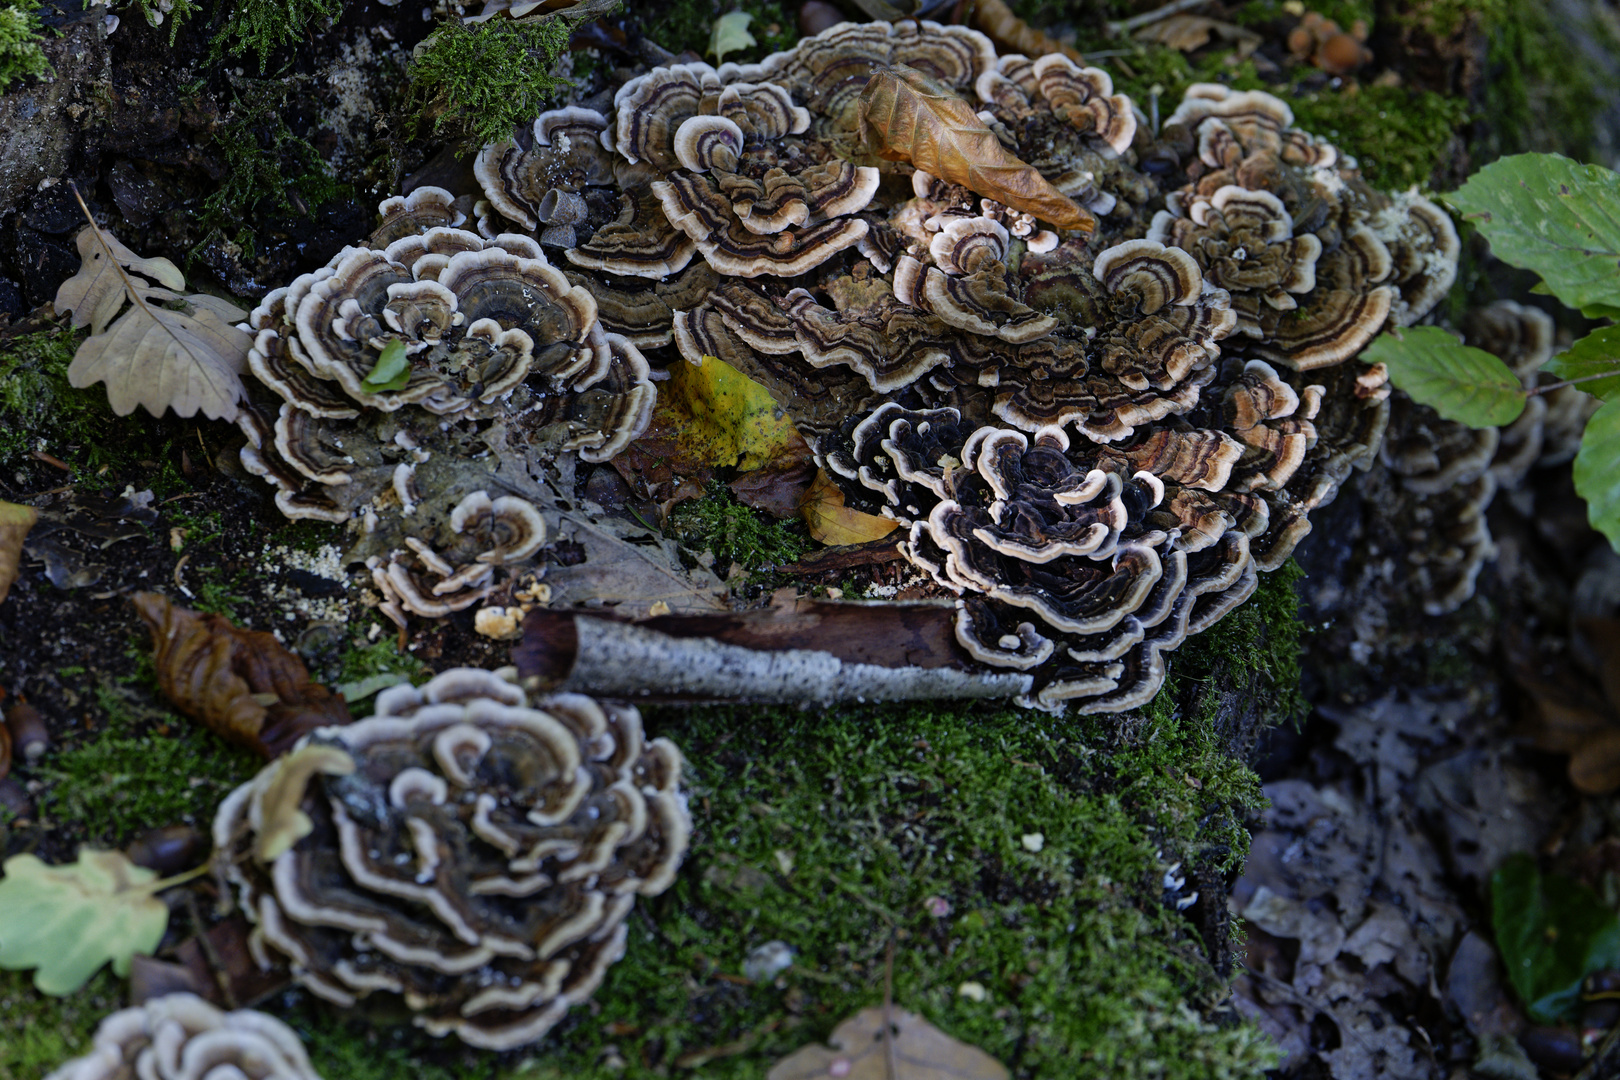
(29, 737)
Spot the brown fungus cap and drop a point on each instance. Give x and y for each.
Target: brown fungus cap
(475, 865)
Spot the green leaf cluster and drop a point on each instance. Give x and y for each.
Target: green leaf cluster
(392, 371)
(1552, 933)
(1561, 219)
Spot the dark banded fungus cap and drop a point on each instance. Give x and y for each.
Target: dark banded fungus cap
(467, 854)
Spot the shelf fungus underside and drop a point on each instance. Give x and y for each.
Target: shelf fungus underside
(1094, 429)
(466, 854)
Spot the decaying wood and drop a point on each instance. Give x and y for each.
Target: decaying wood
(909, 116)
(812, 651)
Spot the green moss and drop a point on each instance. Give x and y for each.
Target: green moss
(1398, 136)
(1538, 93)
(217, 594)
(42, 1032)
(269, 169)
(1344, 12)
(41, 412)
(20, 54)
(479, 83)
(832, 832)
(736, 533)
(262, 26)
(143, 767)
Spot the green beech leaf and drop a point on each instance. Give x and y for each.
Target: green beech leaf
(1597, 471)
(1459, 382)
(730, 34)
(1552, 933)
(1597, 353)
(1549, 214)
(392, 372)
(66, 921)
(1601, 311)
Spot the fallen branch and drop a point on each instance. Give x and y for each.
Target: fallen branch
(903, 652)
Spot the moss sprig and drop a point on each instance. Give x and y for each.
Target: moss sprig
(478, 83)
(20, 54)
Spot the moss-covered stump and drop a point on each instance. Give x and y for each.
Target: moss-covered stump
(1032, 878)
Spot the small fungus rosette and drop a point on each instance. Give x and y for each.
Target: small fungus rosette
(183, 1037)
(466, 854)
(410, 389)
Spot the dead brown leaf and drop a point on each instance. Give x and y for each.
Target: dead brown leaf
(831, 522)
(15, 521)
(240, 684)
(168, 350)
(1188, 33)
(780, 485)
(909, 116)
(861, 1050)
(629, 567)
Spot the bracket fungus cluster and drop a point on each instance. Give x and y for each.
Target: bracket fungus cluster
(183, 1037)
(465, 854)
(412, 384)
(1446, 474)
(1101, 374)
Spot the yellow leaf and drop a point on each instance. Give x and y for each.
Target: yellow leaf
(730, 34)
(15, 521)
(833, 523)
(722, 417)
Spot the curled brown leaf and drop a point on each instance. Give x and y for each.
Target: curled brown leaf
(909, 116)
(240, 684)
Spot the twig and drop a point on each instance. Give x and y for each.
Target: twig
(129, 286)
(1125, 26)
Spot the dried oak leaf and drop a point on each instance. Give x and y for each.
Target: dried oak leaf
(15, 521)
(241, 684)
(187, 357)
(861, 1051)
(66, 921)
(909, 116)
(96, 292)
(833, 523)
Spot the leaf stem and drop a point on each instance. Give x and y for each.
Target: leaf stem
(179, 879)
(1550, 387)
